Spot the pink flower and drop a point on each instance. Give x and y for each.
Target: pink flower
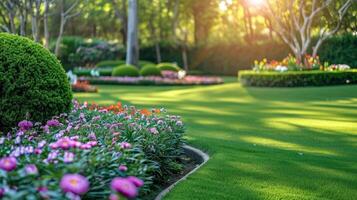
(25, 125)
(68, 157)
(111, 197)
(125, 145)
(92, 143)
(31, 169)
(154, 131)
(8, 163)
(123, 168)
(74, 183)
(38, 151)
(43, 192)
(124, 187)
(53, 122)
(85, 146)
(92, 136)
(136, 181)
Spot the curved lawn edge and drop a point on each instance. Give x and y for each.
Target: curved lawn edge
(191, 150)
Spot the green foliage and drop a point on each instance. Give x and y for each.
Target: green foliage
(340, 49)
(33, 83)
(168, 67)
(77, 51)
(88, 71)
(142, 63)
(126, 70)
(110, 63)
(297, 78)
(150, 70)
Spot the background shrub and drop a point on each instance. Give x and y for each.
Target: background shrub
(33, 83)
(297, 78)
(150, 70)
(110, 63)
(126, 70)
(340, 49)
(168, 67)
(142, 63)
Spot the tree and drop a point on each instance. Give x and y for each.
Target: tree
(132, 47)
(66, 14)
(293, 21)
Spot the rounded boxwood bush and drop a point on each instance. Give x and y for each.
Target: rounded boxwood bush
(150, 70)
(126, 70)
(110, 63)
(168, 67)
(33, 84)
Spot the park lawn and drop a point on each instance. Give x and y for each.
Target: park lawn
(264, 143)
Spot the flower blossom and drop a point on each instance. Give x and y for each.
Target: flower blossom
(74, 183)
(8, 163)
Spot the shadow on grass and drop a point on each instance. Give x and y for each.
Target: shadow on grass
(281, 143)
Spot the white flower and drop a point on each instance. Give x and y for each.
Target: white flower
(181, 74)
(280, 68)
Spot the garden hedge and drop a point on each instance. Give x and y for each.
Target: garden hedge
(150, 70)
(33, 84)
(126, 70)
(168, 67)
(110, 63)
(297, 79)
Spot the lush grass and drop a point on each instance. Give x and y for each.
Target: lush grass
(264, 143)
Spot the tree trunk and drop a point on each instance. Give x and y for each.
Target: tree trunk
(158, 52)
(59, 38)
(45, 24)
(132, 52)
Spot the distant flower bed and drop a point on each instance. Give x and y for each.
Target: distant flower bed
(92, 153)
(83, 86)
(290, 63)
(155, 80)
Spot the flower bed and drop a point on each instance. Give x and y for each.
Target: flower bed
(297, 78)
(83, 86)
(153, 80)
(92, 153)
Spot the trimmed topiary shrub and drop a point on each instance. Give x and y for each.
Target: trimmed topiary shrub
(33, 84)
(168, 67)
(126, 70)
(110, 63)
(297, 78)
(150, 70)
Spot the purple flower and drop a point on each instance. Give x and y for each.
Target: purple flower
(92, 136)
(123, 168)
(25, 125)
(95, 118)
(136, 181)
(179, 123)
(53, 123)
(31, 169)
(29, 149)
(17, 140)
(41, 144)
(74, 183)
(68, 157)
(154, 131)
(2, 140)
(2, 192)
(124, 187)
(125, 145)
(8, 163)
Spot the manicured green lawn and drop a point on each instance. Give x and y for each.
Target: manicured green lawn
(294, 143)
